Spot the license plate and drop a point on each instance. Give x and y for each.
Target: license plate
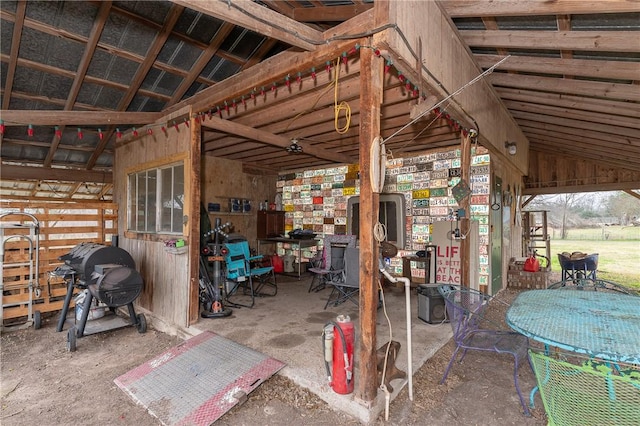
(215, 258)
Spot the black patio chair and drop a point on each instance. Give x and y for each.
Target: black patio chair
(346, 285)
(331, 263)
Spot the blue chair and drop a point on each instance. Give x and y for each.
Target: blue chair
(248, 274)
(466, 308)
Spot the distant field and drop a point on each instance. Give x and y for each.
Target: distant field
(624, 233)
(618, 261)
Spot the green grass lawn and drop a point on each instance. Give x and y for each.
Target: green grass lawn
(623, 233)
(618, 261)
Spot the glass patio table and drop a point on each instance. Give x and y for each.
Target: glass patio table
(597, 324)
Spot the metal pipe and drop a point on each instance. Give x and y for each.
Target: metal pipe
(407, 292)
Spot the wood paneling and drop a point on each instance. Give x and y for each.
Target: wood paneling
(554, 174)
(61, 227)
(166, 276)
(447, 58)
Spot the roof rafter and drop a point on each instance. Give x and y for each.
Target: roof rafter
(11, 171)
(260, 19)
(473, 8)
(15, 48)
(329, 13)
(605, 41)
(202, 62)
(81, 72)
(15, 117)
(270, 138)
(571, 87)
(617, 70)
(137, 80)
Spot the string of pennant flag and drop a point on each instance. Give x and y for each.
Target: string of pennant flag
(229, 106)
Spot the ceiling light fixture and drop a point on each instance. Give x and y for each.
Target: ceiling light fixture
(294, 148)
(511, 148)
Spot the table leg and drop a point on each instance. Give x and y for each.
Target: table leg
(299, 259)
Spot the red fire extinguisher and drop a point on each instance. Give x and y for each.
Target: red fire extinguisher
(338, 341)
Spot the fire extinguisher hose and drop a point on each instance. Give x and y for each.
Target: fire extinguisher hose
(344, 352)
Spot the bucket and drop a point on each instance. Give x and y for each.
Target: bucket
(289, 260)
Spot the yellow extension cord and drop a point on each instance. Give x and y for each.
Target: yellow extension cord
(340, 107)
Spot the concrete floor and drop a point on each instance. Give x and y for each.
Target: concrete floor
(289, 326)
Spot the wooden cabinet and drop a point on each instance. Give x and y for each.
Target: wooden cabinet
(270, 223)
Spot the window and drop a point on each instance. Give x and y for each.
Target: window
(156, 198)
(391, 214)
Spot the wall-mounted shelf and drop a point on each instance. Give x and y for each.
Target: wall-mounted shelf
(230, 213)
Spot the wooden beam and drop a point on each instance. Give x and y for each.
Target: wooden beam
(578, 103)
(10, 171)
(566, 188)
(141, 73)
(596, 41)
(280, 6)
(18, 117)
(617, 70)
(578, 125)
(372, 82)
(584, 134)
(15, 49)
(202, 62)
(603, 117)
(475, 8)
(616, 91)
(192, 211)
(181, 36)
(114, 50)
(263, 74)
(578, 142)
(329, 13)
(81, 72)
(271, 139)
(632, 193)
(48, 69)
(450, 71)
(260, 19)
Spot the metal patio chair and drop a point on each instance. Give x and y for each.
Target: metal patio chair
(246, 273)
(587, 393)
(332, 261)
(466, 311)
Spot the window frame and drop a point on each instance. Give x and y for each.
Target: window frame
(156, 227)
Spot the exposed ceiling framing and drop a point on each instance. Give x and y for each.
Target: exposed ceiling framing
(81, 73)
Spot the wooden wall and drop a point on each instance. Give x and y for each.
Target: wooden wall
(61, 227)
(554, 174)
(166, 275)
(449, 60)
(170, 279)
(225, 179)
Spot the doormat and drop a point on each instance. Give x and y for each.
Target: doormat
(198, 381)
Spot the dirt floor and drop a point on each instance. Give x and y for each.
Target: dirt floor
(43, 383)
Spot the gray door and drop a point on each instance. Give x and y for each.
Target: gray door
(496, 234)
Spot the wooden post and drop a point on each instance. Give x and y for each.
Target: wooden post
(371, 85)
(465, 169)
(192, 211)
